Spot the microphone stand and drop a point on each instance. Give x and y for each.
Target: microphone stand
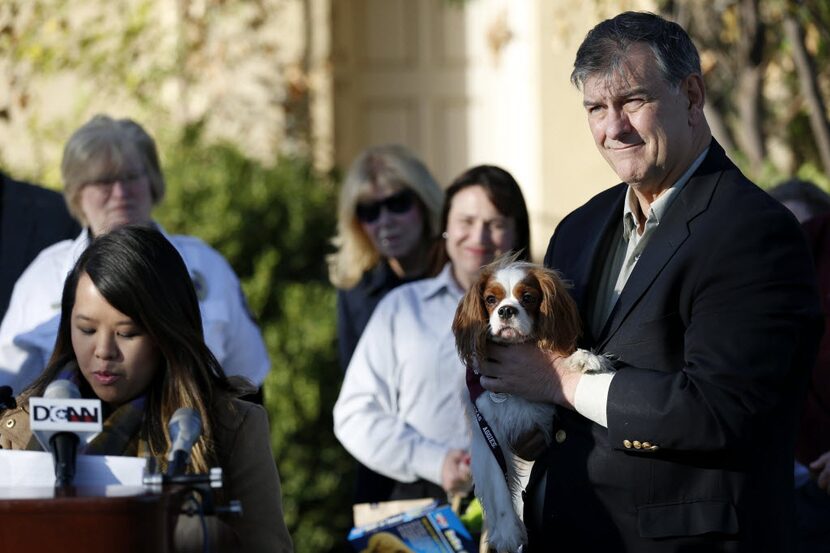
(64, 451)
(202, 485)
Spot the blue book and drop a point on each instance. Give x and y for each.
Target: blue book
(431, 529)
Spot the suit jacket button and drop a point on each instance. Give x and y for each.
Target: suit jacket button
(646, 445)
(627, 444)
(10, 423)
(560, 436)
(653, 448)
(636, 444)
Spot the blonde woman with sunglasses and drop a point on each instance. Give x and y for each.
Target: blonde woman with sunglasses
(387, 234)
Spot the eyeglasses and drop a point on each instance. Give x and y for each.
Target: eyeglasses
(400, 202)
(105, 184)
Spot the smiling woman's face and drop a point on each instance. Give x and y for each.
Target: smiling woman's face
(117, 357)
(477, 233)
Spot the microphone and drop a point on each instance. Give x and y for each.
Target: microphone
(58, 420)
(185, 427)
(64, 444)
(7, 400)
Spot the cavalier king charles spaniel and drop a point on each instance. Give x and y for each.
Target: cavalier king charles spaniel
(512, 302)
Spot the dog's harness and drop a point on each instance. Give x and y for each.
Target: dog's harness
(476, 389)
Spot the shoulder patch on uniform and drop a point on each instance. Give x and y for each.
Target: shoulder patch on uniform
(200, 284)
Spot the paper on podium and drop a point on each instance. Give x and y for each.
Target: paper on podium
(35, 469)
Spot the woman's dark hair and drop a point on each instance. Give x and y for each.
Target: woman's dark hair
(141, 274)
(503, 192)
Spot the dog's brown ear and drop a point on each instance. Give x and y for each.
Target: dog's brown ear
(470, 322)
(559, 323)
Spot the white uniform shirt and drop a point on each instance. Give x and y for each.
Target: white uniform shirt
(401, 407)
(29, 329)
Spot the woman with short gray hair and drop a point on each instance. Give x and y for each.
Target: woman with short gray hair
(112, 178)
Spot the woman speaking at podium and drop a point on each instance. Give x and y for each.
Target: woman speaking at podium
(131, 335)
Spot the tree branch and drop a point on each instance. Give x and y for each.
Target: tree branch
(809, 88)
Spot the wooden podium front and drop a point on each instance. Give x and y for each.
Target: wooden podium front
(126, 519)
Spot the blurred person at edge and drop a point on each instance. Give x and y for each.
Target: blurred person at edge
(112, 177)
(400, 411)
(700, 287)
(31, 218)
(811, 206)
(804, 198)
(812, 442)
(130, 334)
(388, 229)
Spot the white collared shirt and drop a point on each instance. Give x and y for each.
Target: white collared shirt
(401, 408)
(30, 326)
(591, 397)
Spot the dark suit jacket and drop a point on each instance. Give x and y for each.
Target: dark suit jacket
(356, 305)
(32, 218)
(713, 335)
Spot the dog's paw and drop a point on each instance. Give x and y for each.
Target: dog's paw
(508, 536)
(584, 361)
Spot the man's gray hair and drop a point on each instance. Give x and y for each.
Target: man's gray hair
(605, 48)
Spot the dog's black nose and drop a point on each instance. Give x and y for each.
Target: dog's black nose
(507, 311)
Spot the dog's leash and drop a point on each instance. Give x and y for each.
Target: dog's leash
(475, 388)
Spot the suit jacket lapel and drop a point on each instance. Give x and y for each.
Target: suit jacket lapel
(668, 237)
(586, 282)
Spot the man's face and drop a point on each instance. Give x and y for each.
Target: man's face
(641, 125)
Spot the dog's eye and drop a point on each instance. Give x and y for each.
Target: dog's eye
(490, 300)
(528, 298)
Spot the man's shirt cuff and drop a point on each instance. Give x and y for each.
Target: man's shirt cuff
(591, 398)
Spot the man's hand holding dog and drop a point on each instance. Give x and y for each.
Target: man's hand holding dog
(530, 372)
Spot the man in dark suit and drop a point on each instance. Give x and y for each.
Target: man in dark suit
(701, 287)
(31, 218)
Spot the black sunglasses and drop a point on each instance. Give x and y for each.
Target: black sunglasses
(401, 202)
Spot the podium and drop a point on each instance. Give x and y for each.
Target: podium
(124, 519)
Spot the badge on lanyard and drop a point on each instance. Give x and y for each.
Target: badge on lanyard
(200, 284)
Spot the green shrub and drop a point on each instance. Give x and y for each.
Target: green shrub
(273, 225)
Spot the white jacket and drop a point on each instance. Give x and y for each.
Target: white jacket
(29, 329)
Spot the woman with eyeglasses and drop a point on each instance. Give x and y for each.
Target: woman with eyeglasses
(400, 411)
(388, 227)
(112, 178)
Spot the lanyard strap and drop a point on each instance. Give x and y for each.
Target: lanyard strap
(475, 389)
(490, 438)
